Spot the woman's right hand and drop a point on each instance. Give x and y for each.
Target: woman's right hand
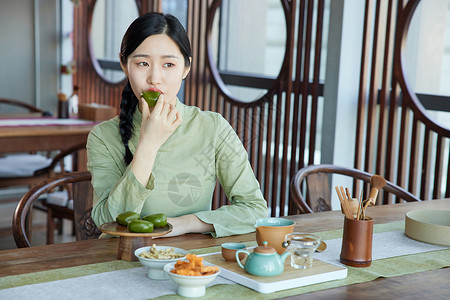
(159, 124)
(156, 128)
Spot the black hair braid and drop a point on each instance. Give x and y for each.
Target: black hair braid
(127, 108)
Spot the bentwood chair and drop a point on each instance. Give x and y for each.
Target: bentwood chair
(23, 106)
(33, 174)
(56, 201)
(82, 193)
(317, 196)
(17, 169)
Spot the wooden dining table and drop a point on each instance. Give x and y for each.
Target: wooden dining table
(46, 134)
(429, 285)
(42, 135)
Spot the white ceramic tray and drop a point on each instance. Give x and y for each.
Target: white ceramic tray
(291, 278)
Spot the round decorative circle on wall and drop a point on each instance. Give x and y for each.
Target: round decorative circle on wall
(109, 21)
(246, 43)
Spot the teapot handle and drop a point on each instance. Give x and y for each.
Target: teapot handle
(237, 256)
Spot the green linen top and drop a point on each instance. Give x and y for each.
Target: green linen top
(183, 177)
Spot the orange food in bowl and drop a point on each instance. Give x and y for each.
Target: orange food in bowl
(193, 267)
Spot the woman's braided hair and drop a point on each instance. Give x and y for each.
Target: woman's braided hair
(127, 108)
(141, 28)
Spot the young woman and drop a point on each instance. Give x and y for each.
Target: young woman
(166, 158)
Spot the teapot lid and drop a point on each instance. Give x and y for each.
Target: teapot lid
(265, 249)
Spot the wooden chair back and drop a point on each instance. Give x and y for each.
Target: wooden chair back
(83, 201)
(318, 190)
(83, 197)
(23, 105)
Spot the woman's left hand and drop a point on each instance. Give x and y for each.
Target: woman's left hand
(188, 224)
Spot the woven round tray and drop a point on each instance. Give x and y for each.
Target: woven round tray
(429, 226)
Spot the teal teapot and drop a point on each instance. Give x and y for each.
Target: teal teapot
(264, 261)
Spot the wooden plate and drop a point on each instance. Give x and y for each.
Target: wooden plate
(130, 241)
(114, 228)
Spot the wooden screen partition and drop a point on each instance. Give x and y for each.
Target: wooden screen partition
(395, 136)
(93, 88)
(274, 128)
(278, 130)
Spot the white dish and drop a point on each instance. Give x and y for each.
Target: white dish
(429, 226)
(155, 267)
(190, 286)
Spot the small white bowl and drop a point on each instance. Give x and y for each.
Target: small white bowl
(155, 266)
(190, 286)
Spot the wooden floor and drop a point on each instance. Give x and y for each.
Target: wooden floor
(7, 207)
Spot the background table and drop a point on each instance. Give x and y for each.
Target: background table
(48, 134)
(43, 137)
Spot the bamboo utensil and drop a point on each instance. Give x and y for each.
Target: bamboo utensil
(358, 216)
(346, 202)
(356, 208)
(353, 204)
(376, 183)
(321, 247)
(344, 205)
(366, 204)
(347, 192)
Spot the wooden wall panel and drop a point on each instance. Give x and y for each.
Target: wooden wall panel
(400, 141)
(272, 133)
(92, 87)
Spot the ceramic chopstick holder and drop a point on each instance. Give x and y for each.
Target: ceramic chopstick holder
(356, 248)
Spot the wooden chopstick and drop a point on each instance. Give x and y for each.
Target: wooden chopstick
(358, 216)
(340, 199)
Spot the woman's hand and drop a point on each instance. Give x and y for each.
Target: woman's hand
(187, 224)
(159, 124)
(156, 127)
